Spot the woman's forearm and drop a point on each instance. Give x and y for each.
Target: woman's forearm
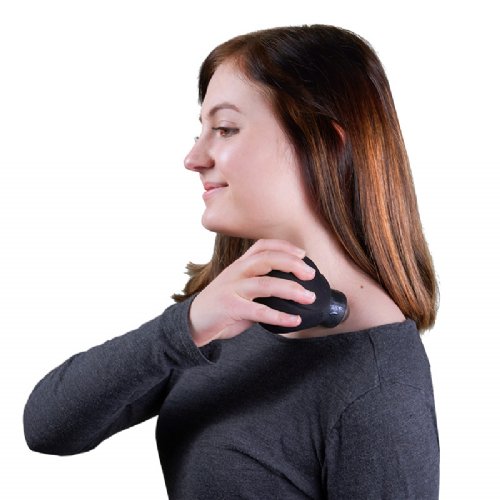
(110, 387)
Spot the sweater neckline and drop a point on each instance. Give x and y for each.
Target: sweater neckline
(407, 324)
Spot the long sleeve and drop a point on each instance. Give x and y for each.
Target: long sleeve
(385, 446)
(116, 385)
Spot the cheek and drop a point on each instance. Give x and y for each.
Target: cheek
(225, 156)
(241, 163)
(261, 173)
(270, 197)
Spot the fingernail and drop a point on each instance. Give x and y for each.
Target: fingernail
(310, 270)
(309, 294)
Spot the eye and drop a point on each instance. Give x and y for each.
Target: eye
(225, 131)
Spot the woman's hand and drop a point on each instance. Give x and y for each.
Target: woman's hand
(225, 308)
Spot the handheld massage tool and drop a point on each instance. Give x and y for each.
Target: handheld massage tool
(329, 309)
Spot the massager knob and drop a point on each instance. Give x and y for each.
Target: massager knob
(328, 310)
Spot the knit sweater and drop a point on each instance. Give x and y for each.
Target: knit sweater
(345, 416)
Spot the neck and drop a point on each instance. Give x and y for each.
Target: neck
(369, 303)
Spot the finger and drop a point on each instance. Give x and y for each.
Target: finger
(260, 313)
(269, 260)
(277, 245)
(267, 286)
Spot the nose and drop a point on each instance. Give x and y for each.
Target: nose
(199, 158)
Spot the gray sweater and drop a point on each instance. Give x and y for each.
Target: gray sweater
(260, 416)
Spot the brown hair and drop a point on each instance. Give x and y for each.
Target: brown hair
(329, 91)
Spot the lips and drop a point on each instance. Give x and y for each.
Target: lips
(211, 188)
(213, 185)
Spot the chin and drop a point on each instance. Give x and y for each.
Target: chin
(239, 228)
(235, 232)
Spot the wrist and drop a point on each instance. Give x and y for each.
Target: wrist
(195, 329)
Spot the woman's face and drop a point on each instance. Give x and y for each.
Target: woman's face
(246, 163)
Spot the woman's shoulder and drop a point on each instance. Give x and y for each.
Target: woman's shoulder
(354, 362)
(391, 353)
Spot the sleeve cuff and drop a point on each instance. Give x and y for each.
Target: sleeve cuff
(175, 325)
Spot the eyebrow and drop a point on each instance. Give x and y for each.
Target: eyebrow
(222, 105)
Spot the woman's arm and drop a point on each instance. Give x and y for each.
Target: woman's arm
(125, 380)
(108, 388)
(385, 446)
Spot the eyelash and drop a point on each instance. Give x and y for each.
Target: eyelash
(225, 132)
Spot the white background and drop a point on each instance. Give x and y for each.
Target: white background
(98, 108)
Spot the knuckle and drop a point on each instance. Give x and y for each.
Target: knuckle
(251, 265)
(261, 311)
(260, 244)
(266, 314)
(263, 283)
(267, 254)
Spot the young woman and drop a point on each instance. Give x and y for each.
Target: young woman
(300, 153)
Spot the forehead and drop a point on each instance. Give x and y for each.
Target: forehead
(229, 85)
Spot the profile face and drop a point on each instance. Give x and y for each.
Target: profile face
(246, 164)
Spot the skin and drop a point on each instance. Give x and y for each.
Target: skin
(243, 149)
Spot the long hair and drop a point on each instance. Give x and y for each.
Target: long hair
(329, 91)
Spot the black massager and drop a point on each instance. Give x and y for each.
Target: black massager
(329, 309)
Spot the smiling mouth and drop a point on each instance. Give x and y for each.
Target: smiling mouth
(209, 186)
(212, 188)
